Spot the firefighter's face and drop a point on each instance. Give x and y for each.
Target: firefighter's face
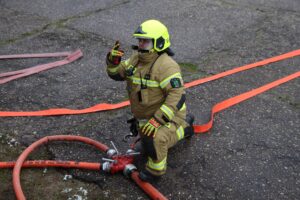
(145, 44)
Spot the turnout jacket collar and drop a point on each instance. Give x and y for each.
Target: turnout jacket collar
(145, 58)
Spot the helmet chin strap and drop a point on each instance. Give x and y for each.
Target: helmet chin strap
(168, 50)
(135, 47)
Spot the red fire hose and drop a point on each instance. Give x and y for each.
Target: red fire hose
(239, 98)
(53, 163)
(106, 106)
(17, 168)
(147, 187)
(152, 192)
(120, 162)
(36, 55)
(9, 76)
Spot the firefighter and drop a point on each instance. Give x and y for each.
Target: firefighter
(156, 92)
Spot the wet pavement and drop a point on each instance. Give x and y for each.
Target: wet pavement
(253, 150)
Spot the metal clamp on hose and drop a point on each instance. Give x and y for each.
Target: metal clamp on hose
(111, 152)
(129, 169)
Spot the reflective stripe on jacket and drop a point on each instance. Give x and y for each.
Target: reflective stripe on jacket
(153, 91)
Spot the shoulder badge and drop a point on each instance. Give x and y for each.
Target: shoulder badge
(175, 83)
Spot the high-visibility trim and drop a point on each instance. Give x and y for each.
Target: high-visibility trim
(168, 125)
(183, 107)
(113, 70)
(149, 83)
(130, 70)
(180, 133)
(166, 81)
(160, 166)
(166, 110)
(129, 66)
(126, 62)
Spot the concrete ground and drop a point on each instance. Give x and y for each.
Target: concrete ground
(252, 152)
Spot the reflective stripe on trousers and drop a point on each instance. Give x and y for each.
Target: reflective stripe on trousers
(157, 166)
(180, 133)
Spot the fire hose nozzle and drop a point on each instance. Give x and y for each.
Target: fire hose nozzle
(129, 169)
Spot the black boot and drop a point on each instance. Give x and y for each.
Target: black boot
(144, 175)
(189, 131)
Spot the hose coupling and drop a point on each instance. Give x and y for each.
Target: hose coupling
(129, 169)
(106, 166)
(111, 152)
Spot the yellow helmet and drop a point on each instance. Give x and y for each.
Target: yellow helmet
(155, 30)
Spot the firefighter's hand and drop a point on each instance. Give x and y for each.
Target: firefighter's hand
(151, 127)
(115, 54)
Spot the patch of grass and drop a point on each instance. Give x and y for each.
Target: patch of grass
(296, 105)
(192, 72)
(288, 99)
(189, 67)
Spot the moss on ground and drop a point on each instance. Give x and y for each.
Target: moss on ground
(191, 72)
(288, 99)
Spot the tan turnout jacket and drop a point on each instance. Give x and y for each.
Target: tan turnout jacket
(155, 86)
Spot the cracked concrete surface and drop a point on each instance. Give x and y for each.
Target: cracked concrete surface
(253, 150)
